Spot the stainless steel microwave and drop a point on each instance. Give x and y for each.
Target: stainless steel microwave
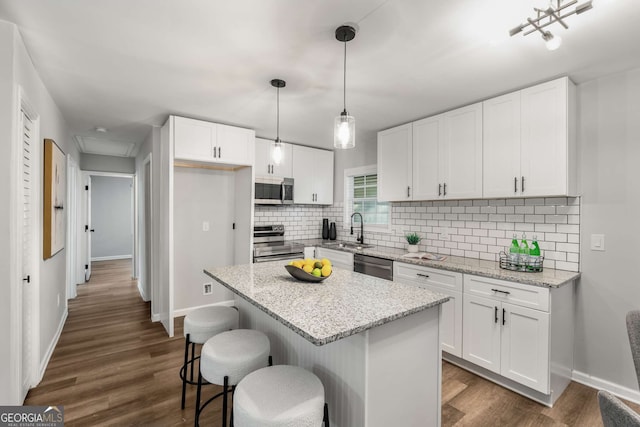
(273, 191)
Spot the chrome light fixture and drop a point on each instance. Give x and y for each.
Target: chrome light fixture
(277, 153)
(556, 12)
(344, 129)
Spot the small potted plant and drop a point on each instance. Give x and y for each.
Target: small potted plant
(413, 239)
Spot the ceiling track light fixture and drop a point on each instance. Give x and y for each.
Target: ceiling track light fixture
(344, 129)
(556, 12)
(277, 153)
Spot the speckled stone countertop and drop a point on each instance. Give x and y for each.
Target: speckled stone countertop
(344, 304)
(548, 278)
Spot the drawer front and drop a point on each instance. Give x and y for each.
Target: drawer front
(419, 275)
(514, 293)
(338, 258)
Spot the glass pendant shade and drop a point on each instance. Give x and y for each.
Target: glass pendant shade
(344, 131)
(552, 42)
(277, 153)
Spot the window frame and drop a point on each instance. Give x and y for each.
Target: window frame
(348, 200)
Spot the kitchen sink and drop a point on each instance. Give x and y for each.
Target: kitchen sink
(347, 245)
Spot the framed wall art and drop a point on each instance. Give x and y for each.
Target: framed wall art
(55, 184)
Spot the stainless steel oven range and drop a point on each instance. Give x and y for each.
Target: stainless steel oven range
(269, 245)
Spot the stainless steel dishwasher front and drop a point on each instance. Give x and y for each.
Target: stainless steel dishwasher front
(373, 266)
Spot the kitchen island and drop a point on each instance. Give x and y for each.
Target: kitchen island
(373, 343)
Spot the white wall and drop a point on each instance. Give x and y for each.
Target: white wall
(609, 138)
(111, 217)
(365, 153)
(99, 163)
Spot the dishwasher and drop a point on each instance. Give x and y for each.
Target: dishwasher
(373, 266)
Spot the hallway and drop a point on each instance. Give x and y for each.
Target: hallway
(112, 365)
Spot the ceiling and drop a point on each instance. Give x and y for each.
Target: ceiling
(126, 65)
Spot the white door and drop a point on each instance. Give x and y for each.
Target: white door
(481, 332)
(323, 173)
(544, 139)
(395, 164)
(427, 145)
(194, 139)
(501, 146)
(263, 163)
(462, 168)
(27, 351)
(74, 226)
(87, 227)
(234, 145)
(303, 186)
(525, 347)
(146, 275)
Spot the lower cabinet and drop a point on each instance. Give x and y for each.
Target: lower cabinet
(506, 330)
(338, 259)
(444, 282)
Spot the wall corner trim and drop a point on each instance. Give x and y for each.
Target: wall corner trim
(52, 346)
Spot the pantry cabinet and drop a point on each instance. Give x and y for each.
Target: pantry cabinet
(201, 141)
(444, 282)
(439, 157)
(264, 163)
(529, 142)
(312, 172)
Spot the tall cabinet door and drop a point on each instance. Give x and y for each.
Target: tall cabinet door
(501, 146)
(462, 167)
(544, 139)
(427, 150)
(302, 168)
(481, 332)
(394, 164)
(323, 181)
(262, 157)
(525, 347)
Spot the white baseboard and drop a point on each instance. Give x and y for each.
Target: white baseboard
(184, 311)
(52, 345)
(110, 258)
(600, 384)
(144, 296)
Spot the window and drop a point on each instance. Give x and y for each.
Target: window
(361, 192)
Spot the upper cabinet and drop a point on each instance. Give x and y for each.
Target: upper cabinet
(438, 157)
(529, 142)
(265, 166)
(312, 171)
(201, 141)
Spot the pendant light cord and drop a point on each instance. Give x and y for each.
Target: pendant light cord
(344, 82)
(278, 116)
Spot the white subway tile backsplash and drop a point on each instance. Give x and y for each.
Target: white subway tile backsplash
(475, 228)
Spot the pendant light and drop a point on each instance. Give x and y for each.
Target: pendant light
(344, 129)
(277, 153)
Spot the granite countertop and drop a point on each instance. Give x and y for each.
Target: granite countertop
(548, 278)
(344, 304)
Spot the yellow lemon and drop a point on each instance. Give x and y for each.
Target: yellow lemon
(308, 268)
(298, 264)
(325, 261)
(326, 270)
(308, 261)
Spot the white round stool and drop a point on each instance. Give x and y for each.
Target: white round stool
(280, 396)
(200, 325)
(226, 359)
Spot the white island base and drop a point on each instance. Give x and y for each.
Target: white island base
(389, 375)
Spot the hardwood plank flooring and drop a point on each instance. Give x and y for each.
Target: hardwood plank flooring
(113, 366)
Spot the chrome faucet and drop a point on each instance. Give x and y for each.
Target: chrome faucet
(360, 238)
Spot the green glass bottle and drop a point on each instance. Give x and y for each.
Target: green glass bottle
(534, 254)
(514, 251)
(524, 252)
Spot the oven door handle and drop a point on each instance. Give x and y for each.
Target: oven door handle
(278, 257)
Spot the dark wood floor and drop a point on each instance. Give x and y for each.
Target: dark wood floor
(113, 366)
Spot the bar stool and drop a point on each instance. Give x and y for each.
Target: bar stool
(280, 396)
(200, 325)
(226, 359)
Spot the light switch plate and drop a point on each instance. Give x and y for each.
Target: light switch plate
(597, 242)
(205, 226)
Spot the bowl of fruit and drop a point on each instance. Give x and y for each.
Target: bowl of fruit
(310, 270)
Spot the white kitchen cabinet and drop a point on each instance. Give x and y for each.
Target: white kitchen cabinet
(338, 259)
(312, 173)
(264, 164)
(201, 141)
(395, 163)
(506, 330)
(439, 157)
(445, 282)
(529, 142)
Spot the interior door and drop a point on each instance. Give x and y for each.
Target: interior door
(87, 228)
(147, 230)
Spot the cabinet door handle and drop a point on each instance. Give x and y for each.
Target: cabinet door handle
(408, 191)
(444, 187)
(220, 152)
(422, 275)
(515, 184)
(503, 316)
(214, 152)
(502, 292)
(439, 189)
(495, 314)
(522, 184)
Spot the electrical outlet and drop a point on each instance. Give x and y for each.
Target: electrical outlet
(207, 288)
(205, 225)
(597, 242)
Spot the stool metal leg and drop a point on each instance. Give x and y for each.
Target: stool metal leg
(326, 415)
(184, 370)
(224, 401)
(198, 398)
(193, 354)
